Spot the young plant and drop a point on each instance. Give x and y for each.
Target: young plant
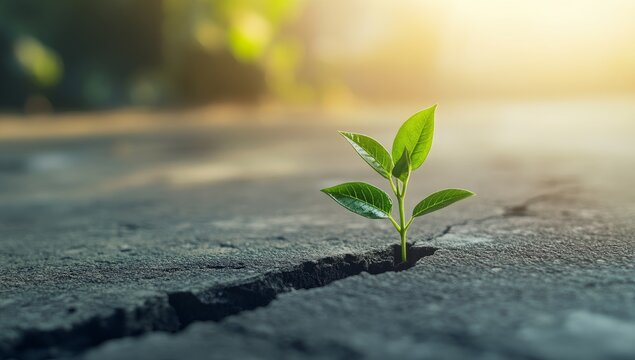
(409, 150)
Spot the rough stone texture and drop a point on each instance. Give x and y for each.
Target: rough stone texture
(102, 231)
(553, 287)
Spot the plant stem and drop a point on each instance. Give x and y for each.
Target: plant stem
(394, 188)
(403, 228)
(394, 223)
(404, 257)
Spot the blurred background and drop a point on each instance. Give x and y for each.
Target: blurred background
(104, 96)
(85, 55)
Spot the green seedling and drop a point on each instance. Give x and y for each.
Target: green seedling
(409, 150)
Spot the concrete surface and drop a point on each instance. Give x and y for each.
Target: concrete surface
(188, 242)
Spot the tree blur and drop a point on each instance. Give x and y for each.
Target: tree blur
(95, 54)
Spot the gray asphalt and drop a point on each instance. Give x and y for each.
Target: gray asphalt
(113, 243)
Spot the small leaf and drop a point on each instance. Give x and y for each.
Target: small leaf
(415, 135)
(402, 168)
(361, 198)
(439, 200)
(371, 151)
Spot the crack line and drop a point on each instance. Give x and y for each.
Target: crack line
(520, 209)
(174, 311)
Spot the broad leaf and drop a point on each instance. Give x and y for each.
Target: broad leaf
(416, 136)
(361, 198)
(371, 151)
(439, 200)
(402, 168)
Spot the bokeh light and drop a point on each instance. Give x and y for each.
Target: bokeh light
(311, 52)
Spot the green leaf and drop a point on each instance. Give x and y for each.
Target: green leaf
(439, 200)
(416, 136)
(361, 198)
(402, 168)
(371, 151)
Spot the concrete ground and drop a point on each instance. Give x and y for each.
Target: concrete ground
(203, 235)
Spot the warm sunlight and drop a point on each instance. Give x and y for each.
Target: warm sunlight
(495, 47)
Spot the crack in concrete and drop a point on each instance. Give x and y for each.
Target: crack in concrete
(522, 209)
(174, 311)
(517, 210)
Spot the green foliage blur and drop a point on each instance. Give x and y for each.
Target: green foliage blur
(77, 54)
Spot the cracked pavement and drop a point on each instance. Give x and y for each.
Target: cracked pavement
(97, 231)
